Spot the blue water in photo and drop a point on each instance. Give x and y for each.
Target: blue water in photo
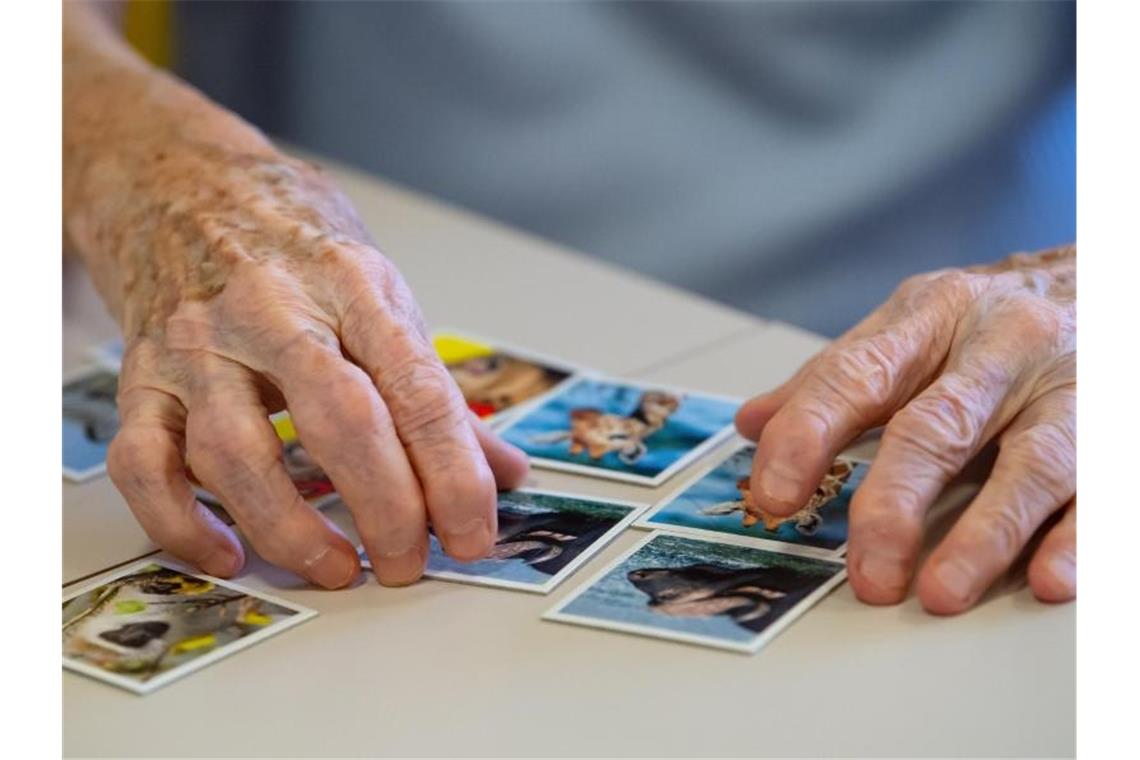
(541, 532)
(689, 562)
(696, 420)
(719, 486)
(90, 419)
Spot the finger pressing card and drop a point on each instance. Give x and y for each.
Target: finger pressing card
(724, 595)
(152, 623)
(619, 429)
(718, 502)
(544, 536)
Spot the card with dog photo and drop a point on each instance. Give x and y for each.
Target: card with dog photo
(154, 622)
(727, 595)
(496, 379)
(719, 501)
(90, 421)
(544, 536)
(620, 429)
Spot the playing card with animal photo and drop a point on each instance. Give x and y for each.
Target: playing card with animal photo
(725, 594)
(154, 622)
(497, 379)
(544, 536)
(719, 501)
(90, 421)
(620, 429)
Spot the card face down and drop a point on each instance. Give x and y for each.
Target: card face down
(90, 421)
(719, 502)
(544, 536)
(724, 595)
(153, 623)
(496, 379)
(619, 429)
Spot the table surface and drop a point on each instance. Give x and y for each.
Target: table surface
(449, 669)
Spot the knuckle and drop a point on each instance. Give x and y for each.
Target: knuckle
(1007, 528)
(913, 433)
(949, 421)
(229, 451)
(865, 374)
(133, 464)
(1045, 458)
(424, 401)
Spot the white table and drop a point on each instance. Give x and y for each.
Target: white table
(449, 669)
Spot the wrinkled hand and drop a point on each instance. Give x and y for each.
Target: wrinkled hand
(248, 284)
(951, 361)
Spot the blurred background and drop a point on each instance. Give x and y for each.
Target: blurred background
(795, 159)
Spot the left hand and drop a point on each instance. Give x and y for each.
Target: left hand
(952, 360)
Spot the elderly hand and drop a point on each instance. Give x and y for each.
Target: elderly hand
(953, 360)
(244, 281)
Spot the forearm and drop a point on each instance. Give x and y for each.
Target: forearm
(122, 118)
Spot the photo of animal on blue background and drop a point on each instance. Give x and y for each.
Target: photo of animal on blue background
(725, 595)
(90, 421)
(720, 501)
(620, 430)
(543, 537)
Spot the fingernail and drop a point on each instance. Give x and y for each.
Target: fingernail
(330, 568)
(1064, 568)
(470, 541)
(957, 578)
(780, 482)
(220, 562)
(885, 572)
(399, 568)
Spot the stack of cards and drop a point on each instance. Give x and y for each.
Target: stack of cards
(716, 570)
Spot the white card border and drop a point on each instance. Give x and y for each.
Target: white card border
(556, 615)
(104, 358)
(72, 474)
(607, 538)
(811, 552)
(499, 419)
(695, 453)
(302, 615)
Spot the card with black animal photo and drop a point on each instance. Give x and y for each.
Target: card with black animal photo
(620, 429)
(154, 622)
(544, 536)
(725, 594)
(718, 501)
(90, 421)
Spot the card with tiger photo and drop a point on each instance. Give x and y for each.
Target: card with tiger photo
(724, 594)
(154, 622)
(620, 429)
(497, 379)
(718, 501)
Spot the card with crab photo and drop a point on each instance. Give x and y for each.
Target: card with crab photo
(718, 501)
(620, 429)
(153, 622)
(544, 536)
(725, 594)
(496, 378)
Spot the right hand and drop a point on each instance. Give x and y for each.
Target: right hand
(247, 283)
